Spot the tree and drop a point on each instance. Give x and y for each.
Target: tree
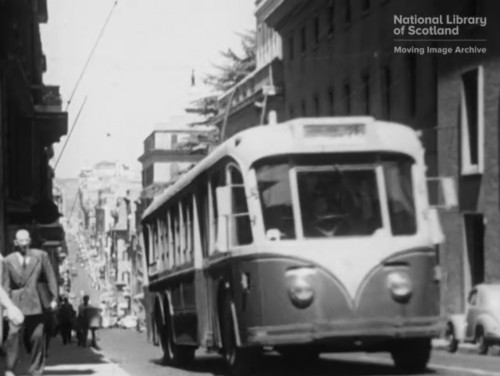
(236, 67)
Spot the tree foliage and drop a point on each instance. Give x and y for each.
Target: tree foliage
(235, 67)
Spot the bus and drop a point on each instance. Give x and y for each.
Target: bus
(309, 236)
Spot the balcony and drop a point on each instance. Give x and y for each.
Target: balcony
(49, 116)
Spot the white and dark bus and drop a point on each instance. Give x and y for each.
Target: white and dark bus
(314, 235)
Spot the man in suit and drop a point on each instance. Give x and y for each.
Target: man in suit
(23, 272)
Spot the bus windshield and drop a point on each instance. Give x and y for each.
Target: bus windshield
(336, 198)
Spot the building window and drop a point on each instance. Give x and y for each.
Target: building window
(365, 80)
(303, 108)
(174, 141)
(316, 30)
(316, 104)
(347, 97)
(412, 87)
(474, 253)
(331, 98)
(472, 121)
(331, 19)
(386, 92)
(126, 278)
(472, 8)
(303, 39)
(347, 13)
(291, 52)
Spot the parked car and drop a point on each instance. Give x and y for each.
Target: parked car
(480, 323)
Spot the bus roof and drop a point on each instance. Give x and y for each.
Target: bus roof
(302, 136)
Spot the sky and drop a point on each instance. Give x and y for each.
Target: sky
(140, 72)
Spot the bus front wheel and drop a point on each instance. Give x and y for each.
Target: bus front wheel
(238, 359)
(412, 355)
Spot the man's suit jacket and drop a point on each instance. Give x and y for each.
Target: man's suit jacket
(21, 283)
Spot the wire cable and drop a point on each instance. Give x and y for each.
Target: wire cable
(101, 33)
(70, 132)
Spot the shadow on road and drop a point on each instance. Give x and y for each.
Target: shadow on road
(69, 372)
(66, 360)
(275, 365)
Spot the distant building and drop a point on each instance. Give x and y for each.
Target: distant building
(167, 154)
(106, 196)
(259, 95)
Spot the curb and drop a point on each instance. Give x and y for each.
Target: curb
(440, 344)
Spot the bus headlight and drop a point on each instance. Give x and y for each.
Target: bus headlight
(400, 286)
(300, 290)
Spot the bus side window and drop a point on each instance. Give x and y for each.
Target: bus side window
(154, 255)
(216, 180)
(202, 206)
(187, 208)
(166, 241)
(147, 246)
(240, 229)
(163, 243)
(171, 238)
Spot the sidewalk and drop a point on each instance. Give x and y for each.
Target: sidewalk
(71, 360)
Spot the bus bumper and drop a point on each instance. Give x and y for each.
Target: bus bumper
(333, 331)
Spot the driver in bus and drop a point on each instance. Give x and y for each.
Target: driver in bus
(325, 221)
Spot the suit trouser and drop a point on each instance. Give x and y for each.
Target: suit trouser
(65, 329)
(32, 334)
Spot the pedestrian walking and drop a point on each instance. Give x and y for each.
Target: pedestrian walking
(89, 319)
(30, 281)
(67, 317)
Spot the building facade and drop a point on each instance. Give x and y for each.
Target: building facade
(107, 192)
(258, 98)
(468, 130)
(31, 120)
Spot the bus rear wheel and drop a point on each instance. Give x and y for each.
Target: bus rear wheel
(160, 335)
(238, 359)
(412, 355)
(178, 355)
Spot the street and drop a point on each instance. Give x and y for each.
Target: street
(130, 351)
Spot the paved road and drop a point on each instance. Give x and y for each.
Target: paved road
(80, 283)
(130, 351)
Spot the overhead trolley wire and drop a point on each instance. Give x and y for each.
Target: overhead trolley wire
(77, 84)
(70, 132)
(101, 33)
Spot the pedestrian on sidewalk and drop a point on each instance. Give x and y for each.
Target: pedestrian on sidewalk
(67, 317)
(89, 319)
(30, 281)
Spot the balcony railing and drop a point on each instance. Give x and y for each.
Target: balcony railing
(47, 98)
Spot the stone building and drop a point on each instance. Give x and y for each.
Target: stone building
(31, 121)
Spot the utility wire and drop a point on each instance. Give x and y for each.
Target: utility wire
(90, 55)
(70, 132)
